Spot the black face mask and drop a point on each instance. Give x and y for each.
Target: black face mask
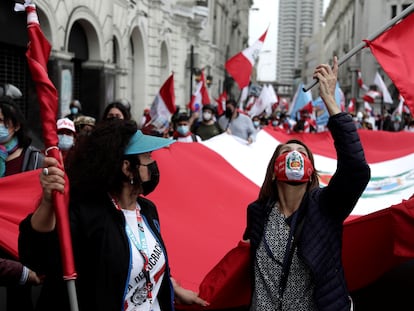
(150, 185)
(228, 113)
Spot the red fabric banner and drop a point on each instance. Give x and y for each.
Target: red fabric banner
(393, 50)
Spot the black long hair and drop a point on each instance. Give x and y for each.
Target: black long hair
(269, 189)
(95, 163)
(121, 107)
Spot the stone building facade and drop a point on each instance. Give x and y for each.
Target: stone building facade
(107, 50)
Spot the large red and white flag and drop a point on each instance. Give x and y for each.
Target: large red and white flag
(163, 105)
(240, 66)
(386, 96)
(200, 96)
(393, 51)
(380, 226)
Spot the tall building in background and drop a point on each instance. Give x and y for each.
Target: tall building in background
(298, 21)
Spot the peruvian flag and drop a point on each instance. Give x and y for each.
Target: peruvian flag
(351, 105)
(393, 50)
(361, 83)
(380, 226)
(370, 96)
(163, 105)
(200, 96)
(240, 65)
(221, 103)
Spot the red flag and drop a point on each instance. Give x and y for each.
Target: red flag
(200, 97)
(221, 103)
(37, 58)
(308, 107)
(370, 96)
(393, 50)
(351, 105)
(163, 105)
(361, 83)
(240, 65)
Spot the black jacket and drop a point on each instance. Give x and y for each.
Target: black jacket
(101, 252)
(323, 211)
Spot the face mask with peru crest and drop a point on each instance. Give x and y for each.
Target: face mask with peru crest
(293, 167)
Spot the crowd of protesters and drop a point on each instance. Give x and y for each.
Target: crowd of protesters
(208, 123)
(188, 126)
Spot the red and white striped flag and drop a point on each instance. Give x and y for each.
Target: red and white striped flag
(240, 65)
(351, 105)
(370, 96)
(221, 103)
(200, 96)
(361, 83)
(163, 105)
(241, 168)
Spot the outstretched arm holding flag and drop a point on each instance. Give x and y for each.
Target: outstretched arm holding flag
(37, 57)
(371, 38)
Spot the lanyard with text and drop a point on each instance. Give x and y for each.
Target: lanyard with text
(141, 246)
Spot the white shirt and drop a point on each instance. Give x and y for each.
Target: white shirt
(136, 297)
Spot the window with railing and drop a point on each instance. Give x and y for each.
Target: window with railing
(202, 3)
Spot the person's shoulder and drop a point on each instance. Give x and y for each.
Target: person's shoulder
(146, 203)
(148, 208)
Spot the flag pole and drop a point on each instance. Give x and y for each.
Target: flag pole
(363, 44)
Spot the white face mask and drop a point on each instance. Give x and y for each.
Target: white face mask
(65, 142)
(207, 115)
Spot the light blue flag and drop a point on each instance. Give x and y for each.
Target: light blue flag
(300, 100)
(322, 114)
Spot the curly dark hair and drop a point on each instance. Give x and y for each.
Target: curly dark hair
(12, 113)
(269, 189)
(95, 163)
(124, 110)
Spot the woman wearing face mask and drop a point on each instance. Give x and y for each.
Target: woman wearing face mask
(182, 132)
(16, 152)
(119, 253)
(295, 227)
(16, 155)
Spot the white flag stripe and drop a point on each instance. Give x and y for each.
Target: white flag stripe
(252, 52)
(383, 88)
(391, 181)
